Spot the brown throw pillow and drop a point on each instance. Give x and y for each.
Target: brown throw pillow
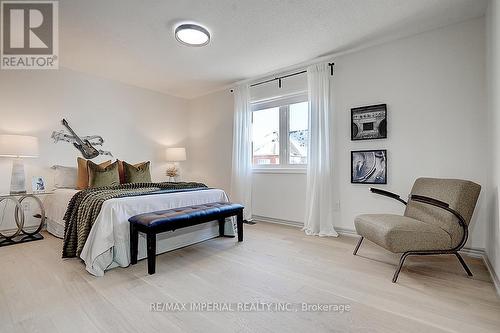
(138, 173)
(103, 176)
(121, 172)
(82, 181)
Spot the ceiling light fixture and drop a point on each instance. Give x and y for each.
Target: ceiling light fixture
(192, 35)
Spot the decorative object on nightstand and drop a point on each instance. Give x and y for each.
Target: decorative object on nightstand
(38, 184)
(175, 155)
(18, 147)
(21, 235)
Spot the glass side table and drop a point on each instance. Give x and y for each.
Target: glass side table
(21, 235)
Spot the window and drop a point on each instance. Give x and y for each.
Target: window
(298, 131)
(280, 132)
(266, 136)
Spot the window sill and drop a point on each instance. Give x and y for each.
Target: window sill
(280, 170)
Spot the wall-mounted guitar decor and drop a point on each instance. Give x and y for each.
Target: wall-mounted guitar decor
(84, 144)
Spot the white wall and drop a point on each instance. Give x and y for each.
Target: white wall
(136, 124)
(434, 86)
(211, 140)
(493, 33)
(279, 196)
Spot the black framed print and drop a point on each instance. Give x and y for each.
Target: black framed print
(369, 122)
(369, 166)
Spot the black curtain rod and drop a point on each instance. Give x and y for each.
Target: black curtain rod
(279, 78)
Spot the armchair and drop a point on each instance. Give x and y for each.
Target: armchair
(435, 220)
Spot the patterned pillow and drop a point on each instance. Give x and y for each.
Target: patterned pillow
(103, 176)
(138, 173)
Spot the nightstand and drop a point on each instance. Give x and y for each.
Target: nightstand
(21, 235)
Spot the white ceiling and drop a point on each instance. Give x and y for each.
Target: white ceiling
(132, 41)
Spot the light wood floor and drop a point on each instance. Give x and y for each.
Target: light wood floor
(40, 292)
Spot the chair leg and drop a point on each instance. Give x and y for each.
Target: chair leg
(464, 265)
(401, 262)
(358, 245)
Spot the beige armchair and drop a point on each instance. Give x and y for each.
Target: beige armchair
(435, 221)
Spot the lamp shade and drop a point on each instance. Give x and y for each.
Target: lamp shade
(176, 154)
(18, 146)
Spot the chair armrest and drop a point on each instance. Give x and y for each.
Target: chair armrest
(387, 194)
(439, 204)
(445, 206)
(430, 201)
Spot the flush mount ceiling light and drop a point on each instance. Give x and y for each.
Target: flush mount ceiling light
(191, 34)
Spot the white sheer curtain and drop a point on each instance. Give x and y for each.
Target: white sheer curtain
(241, 176)
(319, 193)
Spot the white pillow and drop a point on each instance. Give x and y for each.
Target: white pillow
(64, 177)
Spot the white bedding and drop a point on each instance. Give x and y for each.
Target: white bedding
(108, 243)
(55, 208)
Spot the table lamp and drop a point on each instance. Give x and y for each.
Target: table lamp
(18, 147)
(175, 155)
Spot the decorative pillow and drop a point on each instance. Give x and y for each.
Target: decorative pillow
(121, 170)
(103, 176)
(138, 173)
(82, 181)
(64, 177)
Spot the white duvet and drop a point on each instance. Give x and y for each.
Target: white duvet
(55, 208)
(108, 243)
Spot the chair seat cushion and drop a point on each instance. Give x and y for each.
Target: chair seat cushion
(399, 234)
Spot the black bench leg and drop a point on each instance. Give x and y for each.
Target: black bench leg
(134, 240)
(239, 224)
(222, 223)
(151, 244)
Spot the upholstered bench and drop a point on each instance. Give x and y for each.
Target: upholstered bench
(177, 218)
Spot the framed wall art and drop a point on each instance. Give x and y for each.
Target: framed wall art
(369, 167)
(369, 122)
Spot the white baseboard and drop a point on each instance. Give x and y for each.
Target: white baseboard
(341, 231)
(346, 232)
(481, 254)
(258, 218)
(472, 252)
(493, 274)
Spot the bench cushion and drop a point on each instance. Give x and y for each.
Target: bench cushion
(163, 217)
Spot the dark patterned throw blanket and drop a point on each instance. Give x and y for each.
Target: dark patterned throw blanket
(85, 206)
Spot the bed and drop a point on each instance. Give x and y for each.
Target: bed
(55, 207)
(108, 243)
